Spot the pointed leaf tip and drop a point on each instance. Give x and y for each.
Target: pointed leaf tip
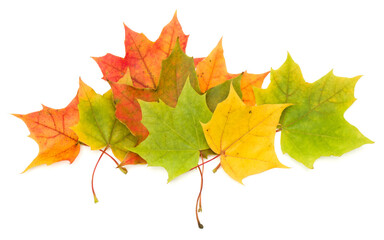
(289, 58)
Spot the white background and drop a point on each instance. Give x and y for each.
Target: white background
(46, 46)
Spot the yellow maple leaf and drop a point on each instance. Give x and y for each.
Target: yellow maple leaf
(244, 136)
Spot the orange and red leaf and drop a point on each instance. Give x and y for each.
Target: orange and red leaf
(51, 129)
(212, 70)
(128, 109)
(248, 81)
(143, 57)
(112, 67)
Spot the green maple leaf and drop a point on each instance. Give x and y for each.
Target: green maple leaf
(98, 126)
(220, 92)
(175, 134)
(174, 72)
(314, 126)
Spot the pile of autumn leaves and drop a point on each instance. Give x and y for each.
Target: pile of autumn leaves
(167, 109)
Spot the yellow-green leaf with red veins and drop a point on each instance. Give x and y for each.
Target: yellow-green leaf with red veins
(143, 57)
(98, 126)
(50, 128)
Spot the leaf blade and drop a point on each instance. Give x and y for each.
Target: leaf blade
(176, 136)
(50, 128)
(98, 126)
(244, 136)
(315, 126)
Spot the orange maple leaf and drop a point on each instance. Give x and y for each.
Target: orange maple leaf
(212, 71)
(143, 57)
(50, 128)
(248, 81)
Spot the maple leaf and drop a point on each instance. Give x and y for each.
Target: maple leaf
(244, 136)
(197, 60)
(248, 82)
(243, 85)
(50, 128)
(315, 125)
(128, 109)
(143, 57)
(175, 70)
(132, 159)
(112, 67)
(168, 37)
(98, 126)
(176, 136)
(220, 92)
(212, 71)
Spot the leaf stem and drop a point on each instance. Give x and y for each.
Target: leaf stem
(109, 155)
(93, 174)
(199, 199)
(205, 162)
(123, 169)
(216, 168)
(202, 172)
